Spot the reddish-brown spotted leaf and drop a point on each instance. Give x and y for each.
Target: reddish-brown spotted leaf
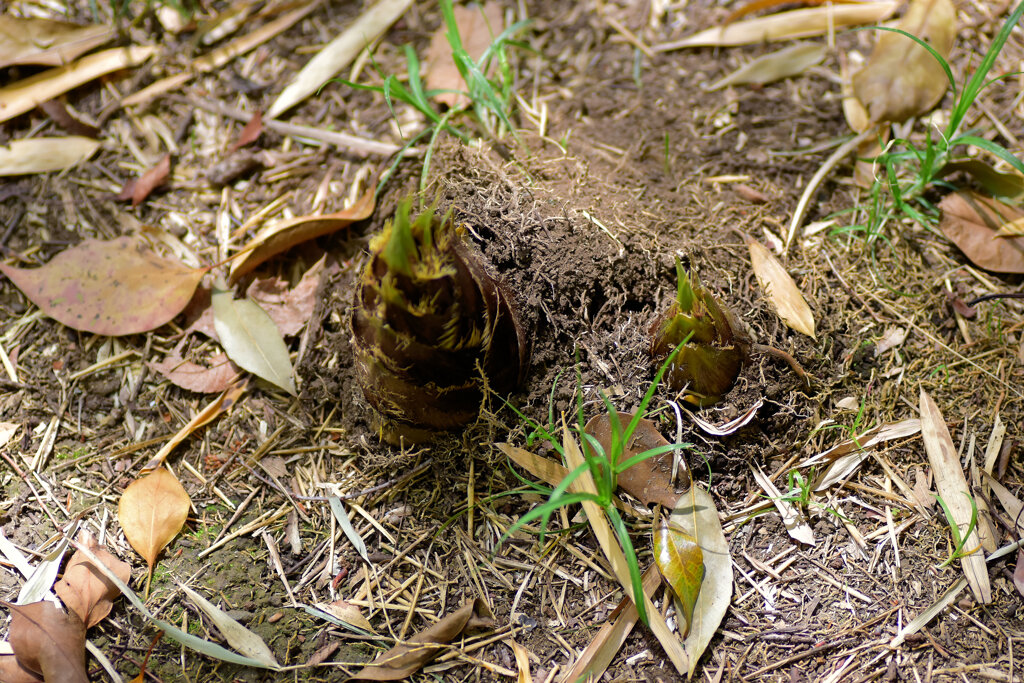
(290, 309)
(111, 288)
(84, 589)
(681, 561)
(282, 236)
(152, 511)
(49, 641)
(972, 221)
(218, 376)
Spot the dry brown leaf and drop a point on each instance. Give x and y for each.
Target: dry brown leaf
(972, 221)
(282, 236)
(781, 290)
(21, 96)
(250, 133)
(33, 40)
(152, 511)
(84, 590)
(477, 28)
(952, 487)
(792, 517)
(72, 123)
(784, 63)
(48, 641)
(801, 23)
(648, 481)
(215, 378)
(901, 78)
(42, 155)
(11, 671)
(137, 189)
(290, 309)
(409, 657)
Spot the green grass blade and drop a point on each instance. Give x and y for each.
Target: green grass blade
(993, 148)
(635, 578)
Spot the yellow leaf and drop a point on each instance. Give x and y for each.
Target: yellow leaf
(681, 562)
(152, 511)
(781, 290)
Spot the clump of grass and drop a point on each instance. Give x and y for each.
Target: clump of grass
(604, 467)
(490, 101)
(910, 170)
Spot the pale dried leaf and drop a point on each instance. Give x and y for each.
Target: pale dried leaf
(796, 523)
(348, 613)
(290, 309)
(21, 96)
(802, 23)
(214, 409)
(952, 487)
(42, 155)
(152, 511)
(781, 290)
(251, 339)
(784, 63)
(477, 28)
(239, 637)
(729, 427)
(339, 53)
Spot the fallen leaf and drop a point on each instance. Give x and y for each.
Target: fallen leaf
(48, 641)
(250, 133)
(152, 511)
(22, 96)
(407, 658)
(290, 309)
(252, 340)
(649, 481)
(972, 221)
(239, 637)
(729, 427)
(695, 514)
(781, 290)
(347, 612)
(75, 125)
(952, 487)
(11, 671)
(280, 237)
(111, 288)
(599, 653)
(1011, 504)
(901, 78)
(758, 5)
(337, 54)
(801, 23)
(213, 410)
(220, 374)
(923, 494)
(792, 517)
(477, 28)
(138, 189)
(84, 590)
(522, 656)
(42, 155)
(1009, 186)
(787, 62)
(34, 40)
(681, 561)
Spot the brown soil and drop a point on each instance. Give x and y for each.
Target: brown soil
(638, 165)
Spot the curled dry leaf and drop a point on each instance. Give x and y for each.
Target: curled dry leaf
(42, 155)
(250, 133)
(137, 189)
(111, 288)
(34, 40)
(407, 658)
(282, 236)
(84, 589)
(49, 641)
(781, 290)
(787, 62)
(649, 481)
(477, 28)
(251, 339)
(972, 221)
(152, 511)
(901, 78)
(681, 561)
(212, 411)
